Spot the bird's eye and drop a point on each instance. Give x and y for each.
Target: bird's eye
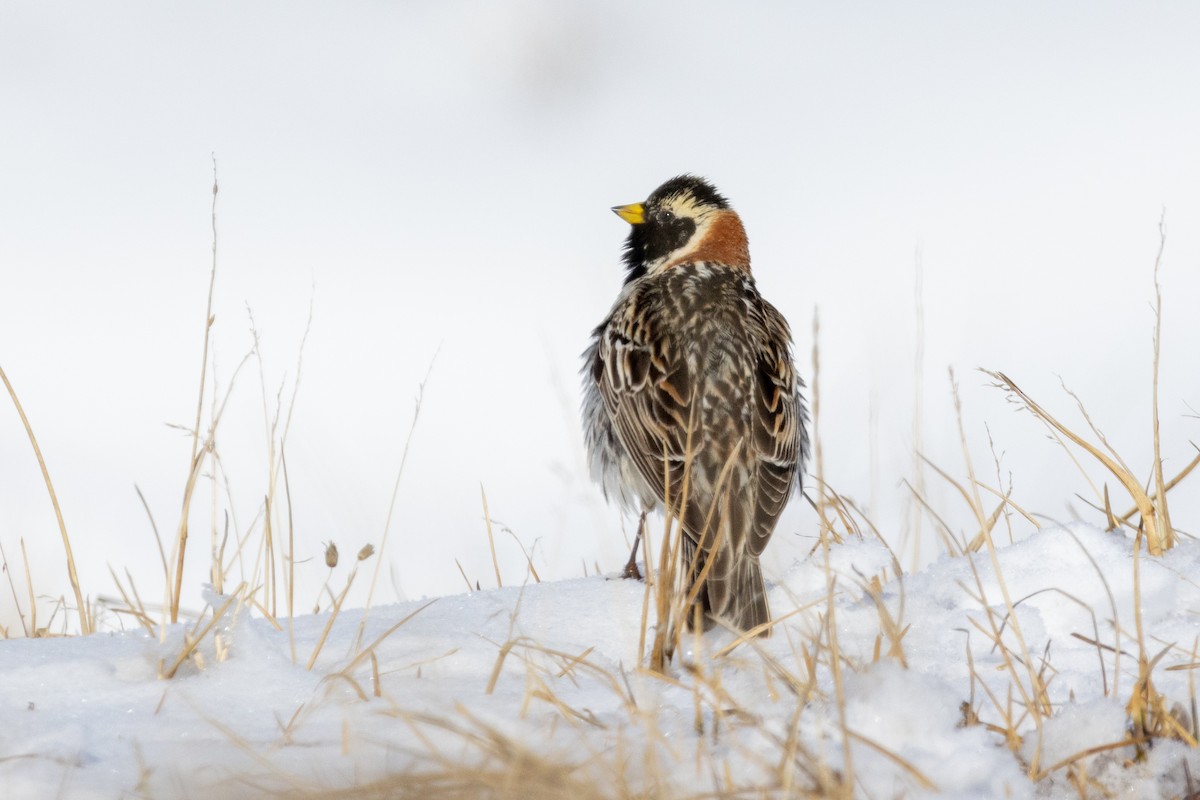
(668, 216)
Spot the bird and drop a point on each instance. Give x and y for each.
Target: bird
(692, 403)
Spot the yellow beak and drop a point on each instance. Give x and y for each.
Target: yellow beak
(634, 213)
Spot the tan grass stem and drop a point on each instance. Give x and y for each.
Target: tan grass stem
(487, 521)
(85, 622)
(209, 319)
(1164, 510)
(387, 525)
(1154, 539)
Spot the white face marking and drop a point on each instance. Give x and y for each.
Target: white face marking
(686, 206)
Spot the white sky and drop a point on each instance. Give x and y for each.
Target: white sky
(436, 179)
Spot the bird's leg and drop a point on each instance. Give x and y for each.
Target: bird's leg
(631, 567)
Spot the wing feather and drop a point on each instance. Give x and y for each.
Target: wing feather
(779, 437)
(646, 385)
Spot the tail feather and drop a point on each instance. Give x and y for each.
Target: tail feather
(748, 596)
(734, 592)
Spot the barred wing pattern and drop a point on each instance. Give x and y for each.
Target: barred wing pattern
(694, 374)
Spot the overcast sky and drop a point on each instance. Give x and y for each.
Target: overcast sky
(435, 179)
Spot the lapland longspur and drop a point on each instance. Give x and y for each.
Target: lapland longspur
(691, 394)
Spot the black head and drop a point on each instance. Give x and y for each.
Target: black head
(666, 221)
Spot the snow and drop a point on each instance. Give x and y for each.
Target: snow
(551, 670)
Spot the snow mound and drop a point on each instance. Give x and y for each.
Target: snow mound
(540, 690)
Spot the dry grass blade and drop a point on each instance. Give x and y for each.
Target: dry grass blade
(175, 588)
(988, 521)
(916, 774)
(889, 625)
(135, 610)
(1168, 486)
(528, 557)
(667, 604)
(192, 642)
(1034, 694)
(29, 587)
(1147, 708)
(846, 513)
(369, 650)
(463, 572)
(180, 547)
(333, 615)
(1091, 751)
(162, 554)
(827, 538)
(1155, 540)
(751, 636)
(698, 579)
(953, 547)
(1164, 510)
(387, 525)
(85, 622)
(1010, 503)
(13, 588)
(487, 519)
